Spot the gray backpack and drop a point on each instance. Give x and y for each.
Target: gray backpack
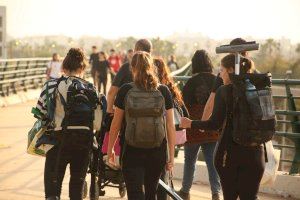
(145, 120)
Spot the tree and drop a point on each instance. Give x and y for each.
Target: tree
(163, 48)
(128, 43)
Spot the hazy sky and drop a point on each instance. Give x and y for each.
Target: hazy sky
(114, 18)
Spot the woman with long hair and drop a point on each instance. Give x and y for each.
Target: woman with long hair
(142, 161)
(54, 69)
(240, 167)
(164, 76)
(195, 94)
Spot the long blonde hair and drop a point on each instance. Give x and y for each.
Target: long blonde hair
(144, 71)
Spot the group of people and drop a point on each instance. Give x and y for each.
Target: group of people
(147, 132)
(101, 64)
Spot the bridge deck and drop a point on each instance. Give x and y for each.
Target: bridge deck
(21, 175)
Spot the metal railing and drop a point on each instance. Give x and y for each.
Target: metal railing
(22, 74)
(182, 75)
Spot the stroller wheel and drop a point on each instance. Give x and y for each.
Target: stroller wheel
(85, 190)
(122, 190)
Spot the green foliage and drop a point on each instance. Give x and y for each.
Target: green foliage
(19, 49)
(270, 58)
(163, 48)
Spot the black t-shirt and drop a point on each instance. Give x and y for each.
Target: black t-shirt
(218, 83)
(123, 76)
(120, 99)
(94, 59)
(103, 67)
(190, 88)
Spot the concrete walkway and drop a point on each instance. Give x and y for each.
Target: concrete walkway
(21, 175)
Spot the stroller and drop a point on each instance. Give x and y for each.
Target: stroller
(102, 174)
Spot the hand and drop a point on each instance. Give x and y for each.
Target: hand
(185, 123)
(169, 165)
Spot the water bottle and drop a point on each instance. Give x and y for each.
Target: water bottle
(253, 100)
(249, 85)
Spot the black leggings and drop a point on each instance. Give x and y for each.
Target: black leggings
(102, 80)
(78, 160)
(242, 173)
(143, 168)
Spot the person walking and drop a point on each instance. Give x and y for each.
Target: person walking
(102, 71)
(240, 167)
(54, 69)
(195, 94)
(172, 64)
(164, 76)
(147, 108)
(72, 127)
(94, 61)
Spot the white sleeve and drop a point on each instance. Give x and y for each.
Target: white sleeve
(49, 64)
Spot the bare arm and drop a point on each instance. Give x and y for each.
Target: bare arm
(48, 71)
(208, 107)
(170, 138)
(112, 93)
(114, 130)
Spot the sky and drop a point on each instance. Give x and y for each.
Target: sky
(217, 19)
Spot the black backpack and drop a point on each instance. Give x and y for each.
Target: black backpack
(202, 91)
(79, 112)
(252, 112)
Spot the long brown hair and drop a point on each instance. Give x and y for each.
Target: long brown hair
(164, 76)
(143, 71)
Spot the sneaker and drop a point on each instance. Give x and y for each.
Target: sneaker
(183, 195)
(216, 196)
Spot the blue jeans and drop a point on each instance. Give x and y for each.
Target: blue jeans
(191, 152)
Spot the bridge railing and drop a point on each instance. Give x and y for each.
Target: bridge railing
(22, 74)
(287, 116)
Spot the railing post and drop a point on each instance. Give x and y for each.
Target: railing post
(25, 75)
(295, 128)
(7, 85)
(16, 76)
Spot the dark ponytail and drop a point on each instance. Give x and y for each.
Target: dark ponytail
(229, 62)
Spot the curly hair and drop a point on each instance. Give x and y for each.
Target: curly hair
(164, 76)
(74, 60)
(144, 71)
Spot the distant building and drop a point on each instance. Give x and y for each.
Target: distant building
(2, 32)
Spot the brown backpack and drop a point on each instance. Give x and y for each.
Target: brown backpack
(145, 120)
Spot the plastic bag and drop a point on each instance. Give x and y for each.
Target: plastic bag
(272, 165)
(34, 134)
